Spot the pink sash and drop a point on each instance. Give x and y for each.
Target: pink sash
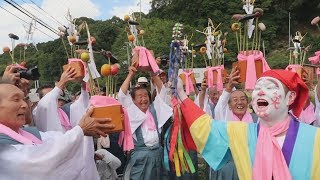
(251, 76)
(315, 59)
(293, 67)
(149, 122)
(23, 137)
(308, 115)
(189, 84)
(219, 76)
(246, 118)
(125, 137)
(269, 161)
(64, 120)
(146, 59)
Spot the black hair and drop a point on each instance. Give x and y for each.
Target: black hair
(39, 90)
(135, 89)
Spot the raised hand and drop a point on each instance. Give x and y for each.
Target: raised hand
(181, 93)
(66, 77)
(132, 70)
(10, 74)
(233, 79)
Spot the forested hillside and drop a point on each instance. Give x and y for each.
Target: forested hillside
(194, 14)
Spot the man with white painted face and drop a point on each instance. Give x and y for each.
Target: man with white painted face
(233, 103)
(278, 147)
(146, 120)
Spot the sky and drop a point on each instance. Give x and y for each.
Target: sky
(53, 13)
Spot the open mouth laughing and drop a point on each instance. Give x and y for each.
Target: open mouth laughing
(262, 104)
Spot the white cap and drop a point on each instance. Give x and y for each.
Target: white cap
(142, 80)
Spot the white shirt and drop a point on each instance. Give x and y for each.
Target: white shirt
(206, 107)
(137, 117)
(45, 115)
(47, 119)
(222, 110)
(58, 157)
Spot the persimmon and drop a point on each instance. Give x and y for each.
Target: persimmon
(105, 70)
(126, 18)
(131, 38)
(203, 50)
(72, 39)
(6, 49)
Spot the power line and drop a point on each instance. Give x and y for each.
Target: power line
(37, 19)
(45, 12)
(26, 22)
(40, 22)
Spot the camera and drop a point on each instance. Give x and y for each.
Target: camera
(29, 74)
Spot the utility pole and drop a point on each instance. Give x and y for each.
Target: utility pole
(289, 31)
(140, 10)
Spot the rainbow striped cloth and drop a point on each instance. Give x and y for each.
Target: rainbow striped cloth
(217, 140)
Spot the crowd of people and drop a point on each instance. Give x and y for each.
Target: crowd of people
(268, 133)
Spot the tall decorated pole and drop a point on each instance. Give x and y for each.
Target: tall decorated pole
(178, 140)
(251, 61)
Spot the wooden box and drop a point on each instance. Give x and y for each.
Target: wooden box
(183, 78)
(224, 74)
(78, 66)
(301, 72)
(115, 112)
(242, 66)
(135, 62)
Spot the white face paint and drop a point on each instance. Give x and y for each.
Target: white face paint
(269, 100)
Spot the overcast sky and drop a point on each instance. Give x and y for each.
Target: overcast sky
(53, 13)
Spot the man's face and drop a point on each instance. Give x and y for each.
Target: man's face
(238, 103)
(61, 103)
(142, 100)
(13, 108)
(269, 99)
(163, 77)
(214, 95)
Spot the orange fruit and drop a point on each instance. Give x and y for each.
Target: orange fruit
(105, 70)
(72, 39)
(126, 18)
(85, 57)
(203, 50)
(131, 38)
(141, 32)
(6, 49)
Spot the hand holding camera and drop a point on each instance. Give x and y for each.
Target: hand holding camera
(10, 74)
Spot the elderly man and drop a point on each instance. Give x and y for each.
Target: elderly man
(233, 104)
(26, 153)
(146, 121)
(278, 147)
(207, 98)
